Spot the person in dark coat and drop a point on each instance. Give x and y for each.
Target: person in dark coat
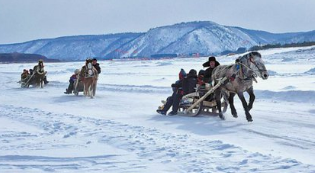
(185, 86)
(211, 64)
(190, 82)
(96, 65)
(200, 78)
(173, 101)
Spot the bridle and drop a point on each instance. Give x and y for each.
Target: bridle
(249, 60)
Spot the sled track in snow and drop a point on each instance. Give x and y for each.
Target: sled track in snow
(60, 130)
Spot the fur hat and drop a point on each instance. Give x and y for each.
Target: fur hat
(211, 58)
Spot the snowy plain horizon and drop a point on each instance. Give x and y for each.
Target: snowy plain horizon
(44, 130)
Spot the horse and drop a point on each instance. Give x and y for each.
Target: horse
(39, 79)
(240, 77)
(89, 76)
(38, 76)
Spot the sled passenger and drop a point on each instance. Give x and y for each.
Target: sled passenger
(211, 64)
(24, 75)
(190, 82)
(174, 99)
(71, 81)
(187, 85)
(200, 78)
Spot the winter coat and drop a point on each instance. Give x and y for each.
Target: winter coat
(73, 78)
(24, 76)
(97, 67)
(178, 87)
(208, 74)
(189, 84)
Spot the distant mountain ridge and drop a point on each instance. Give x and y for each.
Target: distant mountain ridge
(203, 37)
(22, 57)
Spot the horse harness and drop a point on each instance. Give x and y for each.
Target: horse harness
(240, 69)
(87, 71)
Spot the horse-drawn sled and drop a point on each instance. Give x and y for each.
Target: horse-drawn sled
(84, 80)
(201, 102)
(34, 79)
(228, 80)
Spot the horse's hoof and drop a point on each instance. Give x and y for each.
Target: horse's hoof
(235, 115)
(249, 118)
(221, 116)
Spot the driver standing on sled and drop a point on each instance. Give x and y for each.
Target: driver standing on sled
(96, 65)
(211, 64)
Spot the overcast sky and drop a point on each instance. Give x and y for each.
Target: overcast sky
(24, 20)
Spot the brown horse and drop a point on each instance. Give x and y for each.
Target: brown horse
(241, 76)
(89, 76)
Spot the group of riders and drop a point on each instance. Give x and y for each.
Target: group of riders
(84, 72)
(27, 75)
(187, 84)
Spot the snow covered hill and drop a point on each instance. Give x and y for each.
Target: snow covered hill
(183, 38)
(44, 130)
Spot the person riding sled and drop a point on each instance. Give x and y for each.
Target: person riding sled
(24, 75)
(72, 79)
(174, 99)
(184, 86)
(211, 64)
(96, 65)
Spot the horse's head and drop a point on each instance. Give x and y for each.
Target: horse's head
(89, 66)
(256, 63)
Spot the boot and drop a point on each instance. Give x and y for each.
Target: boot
(172, 113)
(161, 112)
(68, 92)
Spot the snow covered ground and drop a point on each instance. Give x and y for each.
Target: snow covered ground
(44, 130)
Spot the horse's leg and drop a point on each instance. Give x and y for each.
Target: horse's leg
(250, 91)
(242, 98)
(231, 102)
(217, 95)
(91, 91)
(41, 82)
(84, 88)
(94, 87)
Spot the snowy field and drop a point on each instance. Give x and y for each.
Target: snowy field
(45, 130)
